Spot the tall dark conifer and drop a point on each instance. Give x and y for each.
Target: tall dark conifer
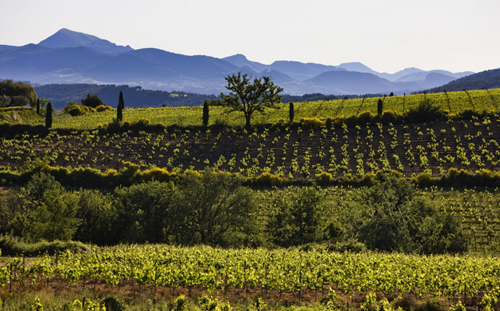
(48, 115)
(380, 106)
(119, 110)
(205, 113)
(291, 112)
(38, 106)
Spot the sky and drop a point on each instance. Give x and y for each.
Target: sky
(385, 35)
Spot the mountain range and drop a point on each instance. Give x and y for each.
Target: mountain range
(73, 57)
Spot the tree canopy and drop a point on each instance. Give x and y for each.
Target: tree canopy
(18, 93)
(92, 101)
(247, 97)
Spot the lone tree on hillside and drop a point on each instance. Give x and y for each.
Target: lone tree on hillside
(119, 110)
(247, 97)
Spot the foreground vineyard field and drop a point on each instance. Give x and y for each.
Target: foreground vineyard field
(292, 271)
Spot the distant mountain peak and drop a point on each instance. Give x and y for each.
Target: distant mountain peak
(65, 38)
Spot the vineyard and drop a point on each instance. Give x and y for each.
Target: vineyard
(298, 275)
(338, 147)
(286, 151)
(454, 102)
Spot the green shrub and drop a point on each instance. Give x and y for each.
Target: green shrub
(101, 108)
(76, 110)
(15, 246)
(434, 304)
(312, 122)
(333, 302)
(389, 116)
(364, 117)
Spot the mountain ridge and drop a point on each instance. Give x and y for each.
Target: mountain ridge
(75, 57)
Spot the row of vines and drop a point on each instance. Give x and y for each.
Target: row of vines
(217, 270)
(287, 152)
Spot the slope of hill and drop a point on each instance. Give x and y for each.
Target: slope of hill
(61, 94)
(487, 79)
(240, 60)
(350, 82)
(37, 63)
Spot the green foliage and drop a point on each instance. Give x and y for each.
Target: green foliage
(333, 302)
(291, 112)
(426, 111)
(20, 93)
(112, 303)
(92, 101)
(55, 218)
(98, 215)
(433, 304)
(75, 109)
(15, 246)
(102, 108)
(49, 212)
(295, 217)
(395, 218)
(179, 304)
(214, 208)
(249, 98)
(146, 212)
(458, 307)
(208, 304)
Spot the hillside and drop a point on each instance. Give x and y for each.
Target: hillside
(61, 94)
(488, 79)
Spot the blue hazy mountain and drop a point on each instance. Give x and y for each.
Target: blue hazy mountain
(66, 38)
(73, 57)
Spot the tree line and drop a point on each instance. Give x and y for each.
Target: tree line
(216, 209)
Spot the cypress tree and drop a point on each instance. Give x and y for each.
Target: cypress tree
(380, 106)
(291, 112)
(205, 113)
(48, 115)
(38, 106)
(119, 109)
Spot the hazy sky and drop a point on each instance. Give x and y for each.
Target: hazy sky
(386, 35)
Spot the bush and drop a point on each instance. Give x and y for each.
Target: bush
(312, 122)
(76, 110)
(433, 304)
(101, 108)
(92, 101)
(333, 302)
(425, 111)
(14, 246)
(389, 116)
(364, 117)
(268, 179)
